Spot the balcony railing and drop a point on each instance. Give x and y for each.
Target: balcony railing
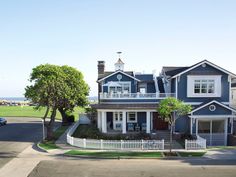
(136, 95)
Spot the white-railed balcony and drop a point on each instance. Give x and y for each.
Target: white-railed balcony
(135, 95)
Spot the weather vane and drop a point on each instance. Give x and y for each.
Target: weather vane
(119, 53)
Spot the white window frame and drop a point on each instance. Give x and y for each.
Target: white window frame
(191, 84)
(122, 87)
(132, 121)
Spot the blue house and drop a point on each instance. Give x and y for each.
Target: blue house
(128, 101)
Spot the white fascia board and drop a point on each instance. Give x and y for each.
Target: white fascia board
(214, 101)
(119, 71)
(209, 63)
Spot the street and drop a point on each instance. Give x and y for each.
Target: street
(134, 168)
(18, 134)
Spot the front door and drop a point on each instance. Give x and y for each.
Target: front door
(159, 123)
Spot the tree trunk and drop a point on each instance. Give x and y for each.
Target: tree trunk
(171, 132)
(50, 125)
(63, 115)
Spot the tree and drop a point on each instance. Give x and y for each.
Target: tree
(75, 91)
(51, 88)
(170, 108)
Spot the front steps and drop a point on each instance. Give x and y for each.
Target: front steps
(165, 134)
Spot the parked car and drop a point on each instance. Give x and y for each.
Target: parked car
(3, 121)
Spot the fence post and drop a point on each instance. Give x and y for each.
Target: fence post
(101, 143)
(186, 148)
(142, 144)
(121, 144)
(84, 142)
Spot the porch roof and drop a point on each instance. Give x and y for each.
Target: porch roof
(124, 106)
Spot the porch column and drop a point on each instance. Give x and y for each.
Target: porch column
(123, 122)
(104, 122)
(99, 120)
(148, 122)
(226, 131)
(191, 125)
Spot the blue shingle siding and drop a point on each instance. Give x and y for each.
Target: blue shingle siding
(208, 70)
(219, 111)
(151, 88)
(124, 79)
(173, 83)
(182, 124)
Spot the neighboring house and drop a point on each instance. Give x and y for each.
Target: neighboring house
(128, 102)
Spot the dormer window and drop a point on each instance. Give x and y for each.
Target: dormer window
(204, 86)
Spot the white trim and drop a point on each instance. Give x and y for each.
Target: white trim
(128, 117)
(213, 116)
(148, 122)
(119, 71)
(214, 101)
(123, 122)
(191, 126)
(104, 122)
(205, 62)
(176, 88)
(129, 110)
(191, 83)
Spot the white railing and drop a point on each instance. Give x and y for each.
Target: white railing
(136, 95)
(113, 144)
(197, 144)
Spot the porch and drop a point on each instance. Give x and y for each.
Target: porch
(129, 121)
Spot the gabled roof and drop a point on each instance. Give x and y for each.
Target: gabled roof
(118, 71)
(145, 77)
(204, 62)
(172, 70)
(211, 102)
(107, 73)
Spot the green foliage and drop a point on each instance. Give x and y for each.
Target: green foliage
(115, 154)
(57, 86)
(92, 132)
(169, 106)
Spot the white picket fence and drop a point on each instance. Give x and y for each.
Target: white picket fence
(113, 144)
(197, 144)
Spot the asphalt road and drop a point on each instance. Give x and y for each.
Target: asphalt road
(134, 168)
(17, 135)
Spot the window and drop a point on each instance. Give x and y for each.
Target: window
(132, 117)
(119, 87)
(204, 86)
(142, 90)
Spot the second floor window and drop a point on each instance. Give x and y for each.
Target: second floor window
(204, 86)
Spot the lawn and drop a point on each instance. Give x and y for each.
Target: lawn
(48, 145)
(29, 111)
(191, 154)
(115, 154)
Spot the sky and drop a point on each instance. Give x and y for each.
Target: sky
(149, 33)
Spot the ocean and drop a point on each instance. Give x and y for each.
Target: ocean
(17, 99)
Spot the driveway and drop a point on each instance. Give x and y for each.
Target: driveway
(17, 135)
(221, 154)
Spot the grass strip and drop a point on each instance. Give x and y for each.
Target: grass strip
(115, 154)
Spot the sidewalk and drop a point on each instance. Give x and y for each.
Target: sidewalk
(23, 164)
